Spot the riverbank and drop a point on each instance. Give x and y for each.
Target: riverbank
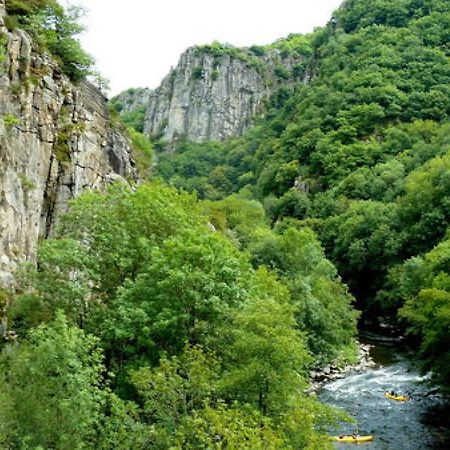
(332, 372)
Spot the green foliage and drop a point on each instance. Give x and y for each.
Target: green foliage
(367, 137)
(363, 241)
(233, 428)
(265, 350)
(178, 386)
(218, 50)
(281, 72)
(425, 204)
(422, 283)
(357, 14)
(51, 389)
(197, 73)
(429, 314)
(293, 203)
(257, 50)
(3, 44)
(11, 120)
(132, 119)
(120, 427)
(210, 320)
(54, 394)
(203, 348)
(238, 214)
(24, 7)
(192, 169)
(190, 294)
(215, 74)
(27, 184)
(142, 150)
(54, 29)
(131, 108)
(323, 304)
(63, 139)
(294, 45)
(129, 247)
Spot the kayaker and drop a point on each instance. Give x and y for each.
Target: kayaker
(393, 393)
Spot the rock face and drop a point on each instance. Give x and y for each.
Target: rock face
(55, 141)
(215, 94)
(133, 99)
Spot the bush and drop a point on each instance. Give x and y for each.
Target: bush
(143, 150)
(197, 73)
(10, 121)
(294, 204)
(54, 29)
(258, 50)
(282, 73)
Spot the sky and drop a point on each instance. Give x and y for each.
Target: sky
(135, 42)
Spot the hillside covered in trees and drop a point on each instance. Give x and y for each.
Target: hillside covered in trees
(361, 155)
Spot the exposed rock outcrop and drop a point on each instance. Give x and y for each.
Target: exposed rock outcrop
(133, 99)
(332, 372)
(215, 93)
(55, 141)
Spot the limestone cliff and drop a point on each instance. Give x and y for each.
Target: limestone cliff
(215, 93)
(55, 141)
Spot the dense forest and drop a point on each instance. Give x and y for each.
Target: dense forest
(186, 312)
(361, 155)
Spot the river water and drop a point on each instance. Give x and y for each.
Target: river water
(394, 425)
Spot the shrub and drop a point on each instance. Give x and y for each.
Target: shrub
(281, 73)
(197, 73)
(54, 29)
(10, 121)
(215, 74)
(143, 150)
(258, 50)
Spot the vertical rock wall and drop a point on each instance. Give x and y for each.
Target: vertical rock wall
(213, 96)
(206, 98)
(55, 141)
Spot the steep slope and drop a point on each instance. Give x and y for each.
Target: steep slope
(56, 140)
(216, 91)
(361, 154)
(351, 151)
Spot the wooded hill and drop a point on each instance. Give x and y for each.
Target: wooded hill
(361, 154)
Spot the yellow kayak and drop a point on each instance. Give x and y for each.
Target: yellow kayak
(398, 398)
(354, 439)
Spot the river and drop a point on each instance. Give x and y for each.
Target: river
(395, 426)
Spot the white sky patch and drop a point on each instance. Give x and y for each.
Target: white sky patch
(135, 42)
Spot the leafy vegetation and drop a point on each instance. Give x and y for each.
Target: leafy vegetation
(10, 121)
(131, 117)
(170, 328)
(218, 50)
(142, 150)
(293, 45)
(360, 155)
(54, 29)
(142, 147)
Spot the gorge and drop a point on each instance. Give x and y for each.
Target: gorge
(176, 263)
